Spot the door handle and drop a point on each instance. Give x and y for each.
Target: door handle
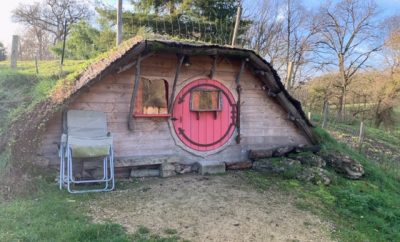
(173, 119)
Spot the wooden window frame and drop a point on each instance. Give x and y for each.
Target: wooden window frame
(219, 109)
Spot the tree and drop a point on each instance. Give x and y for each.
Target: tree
(265, 34)
(348, 38)
(300, 29)
(51, 15)
(35, 43)
(85, 41)
(3, 55)
(388, 95)
(81, 43)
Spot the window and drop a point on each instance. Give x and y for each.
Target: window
(203, 100)
(152, 98)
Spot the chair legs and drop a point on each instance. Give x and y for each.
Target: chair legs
(108, 173)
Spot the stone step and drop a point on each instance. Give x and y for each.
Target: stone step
(207, 167)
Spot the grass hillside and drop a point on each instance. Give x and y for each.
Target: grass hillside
(23, 87)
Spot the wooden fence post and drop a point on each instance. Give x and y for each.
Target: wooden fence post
(237, 22)
(119, 22)
(361, 135)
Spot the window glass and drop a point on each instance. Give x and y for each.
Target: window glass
(205, 100)
(152, 97)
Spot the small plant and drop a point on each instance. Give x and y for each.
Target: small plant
(170, 231)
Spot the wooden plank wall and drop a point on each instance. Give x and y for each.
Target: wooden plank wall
(264, 123)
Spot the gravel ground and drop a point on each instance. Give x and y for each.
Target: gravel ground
(209, 208)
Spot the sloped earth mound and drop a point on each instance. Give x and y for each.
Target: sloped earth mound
(211, 208)
(373, 148)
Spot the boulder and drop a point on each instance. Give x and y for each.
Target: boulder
(309, 159)
(307, 148)
(167, 169)
(315, 175)
(345, 165)
(239, 165)
(182, 168)
(275, 165)
(209, 167)
(282, 151)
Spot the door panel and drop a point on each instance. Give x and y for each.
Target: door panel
(213, 125)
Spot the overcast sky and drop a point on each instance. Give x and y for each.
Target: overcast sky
(8, 28)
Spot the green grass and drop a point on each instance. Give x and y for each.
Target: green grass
(362, 210)
(23, 87)
(53, 215)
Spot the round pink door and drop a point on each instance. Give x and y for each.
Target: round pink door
(204, 115)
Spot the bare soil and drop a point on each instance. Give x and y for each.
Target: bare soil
(212, 208)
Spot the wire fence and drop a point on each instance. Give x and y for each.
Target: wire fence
(184, 26)
(377, 145)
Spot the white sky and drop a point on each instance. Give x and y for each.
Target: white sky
(7, 28)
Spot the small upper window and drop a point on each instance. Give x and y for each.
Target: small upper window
(152, 98)
(203, 100)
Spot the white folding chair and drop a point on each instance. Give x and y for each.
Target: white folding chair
(86, 136)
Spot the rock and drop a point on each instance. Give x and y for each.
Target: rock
(239, 165)
(306, 148)
(145, 172)
(195, 167)
(282, 151)
(167, 173)
(145, 161)
(207, 167)
(309, 159)
(167, 170)
(316, 175)
(345, 165)
(274, 165)
(182, 169)
(260, 154)
(167, 167)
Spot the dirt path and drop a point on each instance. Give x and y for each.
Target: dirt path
(213, 208)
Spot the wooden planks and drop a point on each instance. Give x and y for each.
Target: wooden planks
(263, 121)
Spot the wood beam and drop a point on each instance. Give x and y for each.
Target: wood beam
(239, 91)
(177, 72)
(214, 65)
(134, 93)
(129, 65)
(294, 115)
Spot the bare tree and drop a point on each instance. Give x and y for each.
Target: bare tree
(50, 15)
(348, 38)
(35, 43)
(266, 32)
(283, 32)
(301, 26)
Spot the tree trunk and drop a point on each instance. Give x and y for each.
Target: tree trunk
(342, 97)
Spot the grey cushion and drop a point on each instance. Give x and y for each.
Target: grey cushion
(83, 123)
